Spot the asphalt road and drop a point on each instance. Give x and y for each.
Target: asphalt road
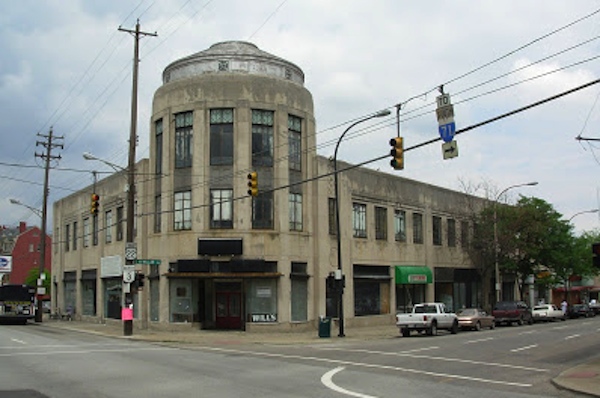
(36, 361)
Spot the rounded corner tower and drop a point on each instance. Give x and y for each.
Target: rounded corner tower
(221, 114)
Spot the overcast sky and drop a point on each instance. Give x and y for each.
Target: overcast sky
(65, 64)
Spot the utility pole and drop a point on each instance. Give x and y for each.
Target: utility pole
(130, 248)
(48, 145)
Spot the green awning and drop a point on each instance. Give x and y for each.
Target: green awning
(413, 275)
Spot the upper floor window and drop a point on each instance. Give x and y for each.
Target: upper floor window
(75, 235)
(359, 220)
(86, 232)
(417, 228)
(380, 223)
(295, 142)
(295, 203)
(262, 137)
(67, 237)
(157, 214)
(120, 223)
(451, 232)
(332, 216)
(221, 136)
(221, 204)
(108, 226)
(464, 234)
(400, 225)
(183, 139)
(158, 130)
(182, 210)
(262, 211)
(95, 229)
(437, 230)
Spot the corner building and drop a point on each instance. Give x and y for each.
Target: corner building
(233, 261)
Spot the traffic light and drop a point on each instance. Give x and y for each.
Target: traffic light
(95, 203)
(139, 280)
(397, 153)
(596, 255)
(253, 183)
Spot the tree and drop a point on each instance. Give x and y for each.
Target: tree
(32, 277)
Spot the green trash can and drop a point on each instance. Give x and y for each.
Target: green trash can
(324, 326)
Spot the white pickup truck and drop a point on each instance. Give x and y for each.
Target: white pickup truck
(427, 317)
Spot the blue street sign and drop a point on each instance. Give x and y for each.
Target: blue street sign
(447, 131)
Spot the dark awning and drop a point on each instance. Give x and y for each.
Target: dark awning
(413, 275)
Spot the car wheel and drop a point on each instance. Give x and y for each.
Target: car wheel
(432, 329)
(454, 329)
(478, 326)
(492, 325)
(405, 333)
(520, 322)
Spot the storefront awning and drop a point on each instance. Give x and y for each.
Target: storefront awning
(413, 275)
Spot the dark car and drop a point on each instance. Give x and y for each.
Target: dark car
(510, 312)
(581, 311)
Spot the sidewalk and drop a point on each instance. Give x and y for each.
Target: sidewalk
(584, 378)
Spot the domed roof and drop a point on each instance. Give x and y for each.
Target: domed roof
(233, 57)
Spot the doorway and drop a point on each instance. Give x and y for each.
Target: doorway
(228, 305)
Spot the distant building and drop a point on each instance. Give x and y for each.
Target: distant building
(24, 245)
(232, 261)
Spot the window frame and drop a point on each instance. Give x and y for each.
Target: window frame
(184, 139)
(295, 143)
(418, 228)
(295, 211)
(359, 220)
(182, 210)
(221, 205)
(263, 123)
(399, 225)
(436, 230)
(221, 128)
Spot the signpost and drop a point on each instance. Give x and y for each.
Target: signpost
(446, 125)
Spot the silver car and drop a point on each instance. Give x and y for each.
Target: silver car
(547, 312)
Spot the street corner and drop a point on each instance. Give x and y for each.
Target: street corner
(583, 379)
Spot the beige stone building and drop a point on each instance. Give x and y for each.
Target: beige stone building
(233, 261)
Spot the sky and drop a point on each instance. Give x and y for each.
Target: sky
(66, 66)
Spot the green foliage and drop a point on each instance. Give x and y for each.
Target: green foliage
(32, 277)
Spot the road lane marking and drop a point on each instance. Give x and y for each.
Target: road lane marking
(79, 352)
(18, 341)
(326, 380)
(524, 348)
(572, 336)
(368, 365)
(478, 340)
(528, 332)
(559, 327)
(446, 359)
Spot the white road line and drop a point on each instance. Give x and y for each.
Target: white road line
(458, 360)
(528, 332)
(368, 365)
(524, 348)
(61, 345)
(420, 350)
(79, 352)
(18, 341)
(478, 340)
(572, 336)
(326, 380)
(559, 327)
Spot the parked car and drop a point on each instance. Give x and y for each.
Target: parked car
(427, 318)
(510, 312)
(547, 312)
(581, 311)
(475, 319)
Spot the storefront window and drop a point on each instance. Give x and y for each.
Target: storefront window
(112, 297)
(88, 297)
(371, 290)
(69, 304)
(183, 305)
(261, 300)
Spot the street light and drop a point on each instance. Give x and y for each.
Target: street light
(35, 211)
(89, 156)
(583, 212)
(497, 269)
(339, 274)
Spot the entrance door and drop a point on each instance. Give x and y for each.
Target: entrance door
(228, 310)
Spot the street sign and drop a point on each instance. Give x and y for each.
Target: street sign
(445, 117)
(147, 261)
(128, 276)
(450, 149)
(447, 131)
(130, 251)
